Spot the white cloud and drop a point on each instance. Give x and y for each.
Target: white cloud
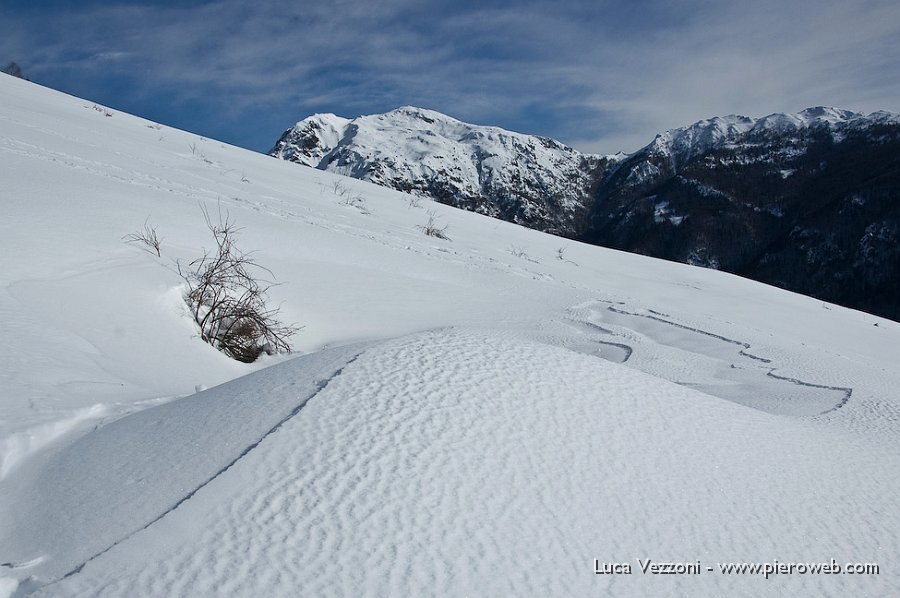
(600, 75)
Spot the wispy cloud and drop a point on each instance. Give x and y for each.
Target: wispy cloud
(601, 75)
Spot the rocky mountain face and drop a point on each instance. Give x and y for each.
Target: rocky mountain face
(809, 201)
(533, 181)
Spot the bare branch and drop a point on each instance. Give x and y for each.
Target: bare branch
(146, 236)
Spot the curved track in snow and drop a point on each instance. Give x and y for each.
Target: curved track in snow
(742, 377)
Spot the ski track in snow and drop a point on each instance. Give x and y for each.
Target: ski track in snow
(732, 383)
(320, 386)
(149, 490)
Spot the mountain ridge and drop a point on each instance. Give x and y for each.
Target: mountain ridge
(805, 201)
(534, 181)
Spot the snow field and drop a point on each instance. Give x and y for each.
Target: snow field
(501, 428)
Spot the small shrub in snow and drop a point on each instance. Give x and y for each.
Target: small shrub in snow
(348, 198)
(338, 188)
(147, 237)
(432, 229)
(520, 252)
(199, 153)
(227, 298)
(102, 110)
(356, 201)
(561, 256)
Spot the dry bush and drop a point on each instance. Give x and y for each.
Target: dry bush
(196, 152)
(102, 110)
(432, 229)
(561, 256)
(520, 252)
(228, 298)
(339, 189)
(147, 237)
(348, 198)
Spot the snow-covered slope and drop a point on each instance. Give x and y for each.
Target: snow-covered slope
(483, 415)
(805, 201)
(529, 180)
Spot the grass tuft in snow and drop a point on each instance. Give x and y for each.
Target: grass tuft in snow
(432, 229)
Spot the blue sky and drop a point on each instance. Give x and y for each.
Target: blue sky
(600, 76)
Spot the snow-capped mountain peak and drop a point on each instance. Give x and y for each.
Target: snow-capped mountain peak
(522, 178)
(688, 141)
(827, 114)
(804, 200)
(682, 144)
(314, 137)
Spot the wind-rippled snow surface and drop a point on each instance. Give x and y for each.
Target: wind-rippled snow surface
(459, 463)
